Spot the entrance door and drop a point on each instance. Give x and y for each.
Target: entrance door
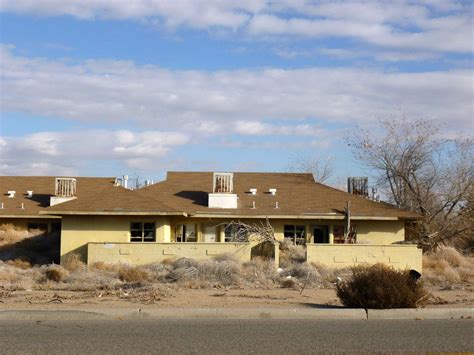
(209, 234)
(321, 234)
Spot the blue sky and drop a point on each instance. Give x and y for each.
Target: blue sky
(142, 87)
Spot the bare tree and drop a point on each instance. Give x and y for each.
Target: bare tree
(421, 172)
(257, 232)
(322, 169)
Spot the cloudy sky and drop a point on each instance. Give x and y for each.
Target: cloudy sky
(102, 87)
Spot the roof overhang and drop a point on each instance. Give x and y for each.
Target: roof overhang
(29, 216)
(112, 213)
(289, 216)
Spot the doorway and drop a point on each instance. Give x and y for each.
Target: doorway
(321, 234)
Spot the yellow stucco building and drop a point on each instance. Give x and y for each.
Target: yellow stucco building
(197, 214)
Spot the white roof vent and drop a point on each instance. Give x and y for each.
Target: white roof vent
(29, 193)
(272, 191)
(11, 193)
(253, 191)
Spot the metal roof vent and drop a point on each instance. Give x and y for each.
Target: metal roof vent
(29, 193)
(11, 193)
(272, 191)
(253, 191)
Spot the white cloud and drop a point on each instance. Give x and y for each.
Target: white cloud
(428, 25)
(177, 100)
(68, 152)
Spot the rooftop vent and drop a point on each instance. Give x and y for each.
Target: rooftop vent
(253, 191)
(125, 181)
(65, 187)
(222, 195)
(272, 191)
(11, 193)
(223, 183)
(65, 190)
(358, 186)
(29, 193)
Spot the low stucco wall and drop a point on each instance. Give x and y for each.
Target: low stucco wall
(146, 253)
(347, 255)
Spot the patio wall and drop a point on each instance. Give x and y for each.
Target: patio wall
(145, 253)
(347, 255)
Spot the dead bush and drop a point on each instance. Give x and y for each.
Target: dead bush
(73, 262)
(9, 234)
(447, 267)
(55, 273)
(259, 273)
(225, 272)
(288, 283)
(290, 254)
(380, 287)
(20, 263)
(305, 273)
(133, 274)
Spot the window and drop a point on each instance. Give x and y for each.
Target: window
(295, 233)
(142, 232)
(233, 233)
(339, 234)
(186, 233)
(321, 234)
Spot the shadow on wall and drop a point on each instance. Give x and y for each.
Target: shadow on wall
(265, 250)
(39, 249)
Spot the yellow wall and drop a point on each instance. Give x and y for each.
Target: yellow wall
(347, 255)
(146, 253)
(77, 231)
(380, 232)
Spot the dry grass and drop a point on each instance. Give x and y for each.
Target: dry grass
(19, 263)
(133, 274)
(55, 273)
(291, 254)
(35, 246)
(73, 262)
(448, 267)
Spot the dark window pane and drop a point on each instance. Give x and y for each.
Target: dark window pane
(136, 232)
(149, 233)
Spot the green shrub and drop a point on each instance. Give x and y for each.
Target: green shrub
(380, 287)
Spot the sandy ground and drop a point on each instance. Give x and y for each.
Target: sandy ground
(205, 298)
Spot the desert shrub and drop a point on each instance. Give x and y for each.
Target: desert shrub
(9, 234)
(290, 253)
(20, 263)
(380, 287)
(226, 272)
(73, 262)
(260, 272)
(90, 280)
(288, 283)
(133, 274)
(305, 273)
(447, 267)
(55, 273)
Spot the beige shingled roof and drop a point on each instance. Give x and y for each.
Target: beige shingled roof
(94, 196)
(297, 195)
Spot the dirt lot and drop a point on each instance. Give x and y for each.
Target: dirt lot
(205, 298)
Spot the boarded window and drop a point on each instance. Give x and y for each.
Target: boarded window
(295, 233)
(142, 232)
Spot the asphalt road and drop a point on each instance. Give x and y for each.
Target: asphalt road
(234, 336)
